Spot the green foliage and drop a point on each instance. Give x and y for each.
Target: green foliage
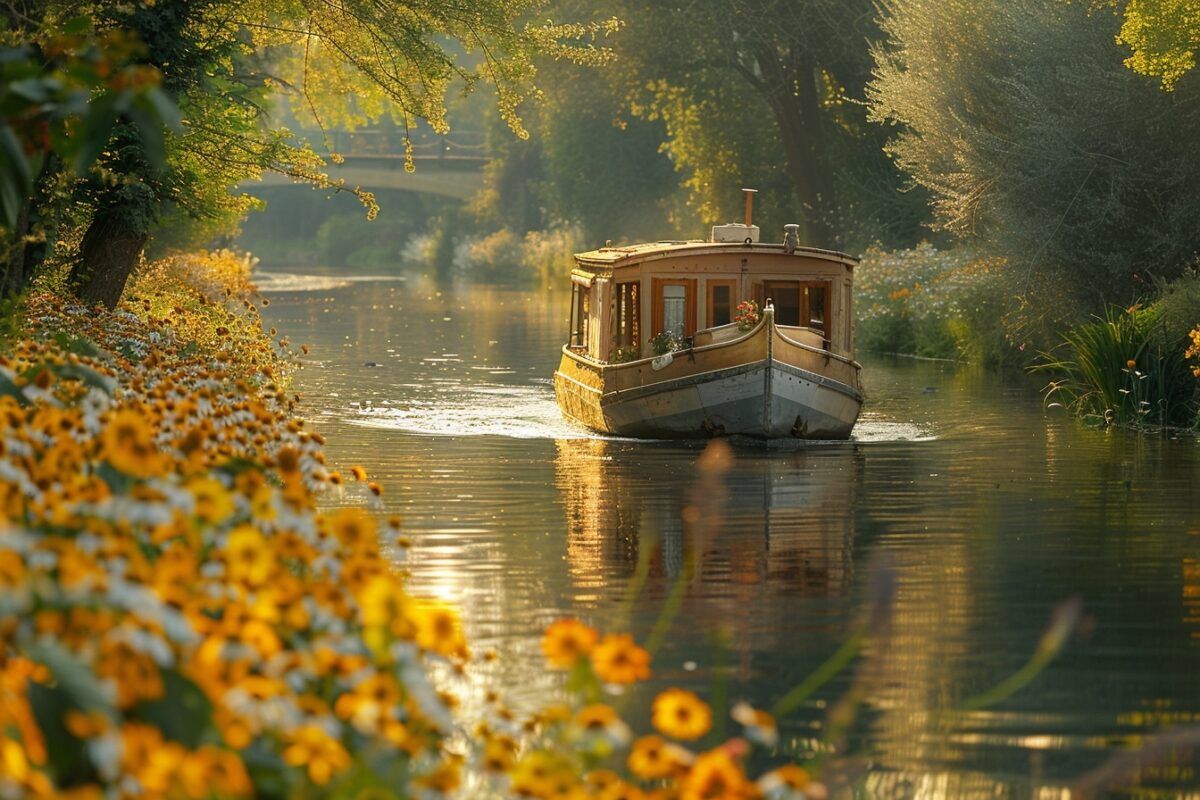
(1122, 370)
(660, 143)
(505, 257)
(934, 303)
(1178, 305)
(623, 355)
(665, 342)
(766, 94)
(1038, 145)
(64, 97)
(221, 63)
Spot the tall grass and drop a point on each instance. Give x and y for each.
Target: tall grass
(1123, 369)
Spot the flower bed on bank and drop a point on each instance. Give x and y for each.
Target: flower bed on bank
(177, 618)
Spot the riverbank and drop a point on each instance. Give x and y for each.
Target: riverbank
(178, 617)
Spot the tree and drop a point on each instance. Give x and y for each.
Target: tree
(59, 103)
(353, 60)
(1039, 145)
(1164, 36)
(763, 90)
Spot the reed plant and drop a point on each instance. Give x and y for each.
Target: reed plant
(1122, 369)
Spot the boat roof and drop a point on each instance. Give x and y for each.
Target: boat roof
(605, 258)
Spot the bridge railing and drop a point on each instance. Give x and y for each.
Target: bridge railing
(389, 142)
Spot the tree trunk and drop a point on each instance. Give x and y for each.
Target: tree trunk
(789, 86)
(107, 255)
(13, 279)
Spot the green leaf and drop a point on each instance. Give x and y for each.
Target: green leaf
(76, 26)
(183, 714)
(73, 677)
(10, 389)
(97, 126)
(35, 90)
(15, 55)
(87, 376)
(68, 756)
(16, 180)
(78, 345)
(236, 466)
(165, 107)
(151, 131)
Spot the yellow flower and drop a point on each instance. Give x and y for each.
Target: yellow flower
(620, 790)
(383, 604)
(653, 757)
(12, 569)
(617, 659)
(566, 641)
(128, 444)
(541, 773)
(213, 501)
(439, 629)
(681, 714)
(312, 748)
(716, 776)
(370, 702)
(601, 718)
(444, 778)
(498, 753)
(249, 556)
(261, 637)
(353, 527)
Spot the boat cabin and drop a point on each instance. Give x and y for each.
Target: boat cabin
(622, 297)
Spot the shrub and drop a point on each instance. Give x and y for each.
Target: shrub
(543, 256)
(933, 303)
(1178, 305)
(1123, 369)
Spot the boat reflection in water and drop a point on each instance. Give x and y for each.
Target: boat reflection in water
(750, 532)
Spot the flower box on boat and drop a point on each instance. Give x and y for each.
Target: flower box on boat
(792, 375)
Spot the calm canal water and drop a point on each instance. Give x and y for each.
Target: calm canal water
(990, 511)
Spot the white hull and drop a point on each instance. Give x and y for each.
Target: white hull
(779, 402)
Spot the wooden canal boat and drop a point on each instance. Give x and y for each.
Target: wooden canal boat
(790, 375)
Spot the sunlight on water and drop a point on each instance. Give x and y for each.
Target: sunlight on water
(518, 412)
(871, 429)
(529, 412)
(295, 282)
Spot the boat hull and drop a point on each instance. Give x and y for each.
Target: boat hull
(758, 395)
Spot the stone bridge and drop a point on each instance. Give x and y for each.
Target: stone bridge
(446, 166)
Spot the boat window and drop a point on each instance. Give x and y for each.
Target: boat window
(629, 316)
(799, 303)
(720, 302)
(580, 310)
(674, 306)
(817, 303)
(674, 309)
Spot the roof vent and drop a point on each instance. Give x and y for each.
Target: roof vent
(734, 232)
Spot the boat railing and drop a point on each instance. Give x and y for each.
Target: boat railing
(700, 341)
